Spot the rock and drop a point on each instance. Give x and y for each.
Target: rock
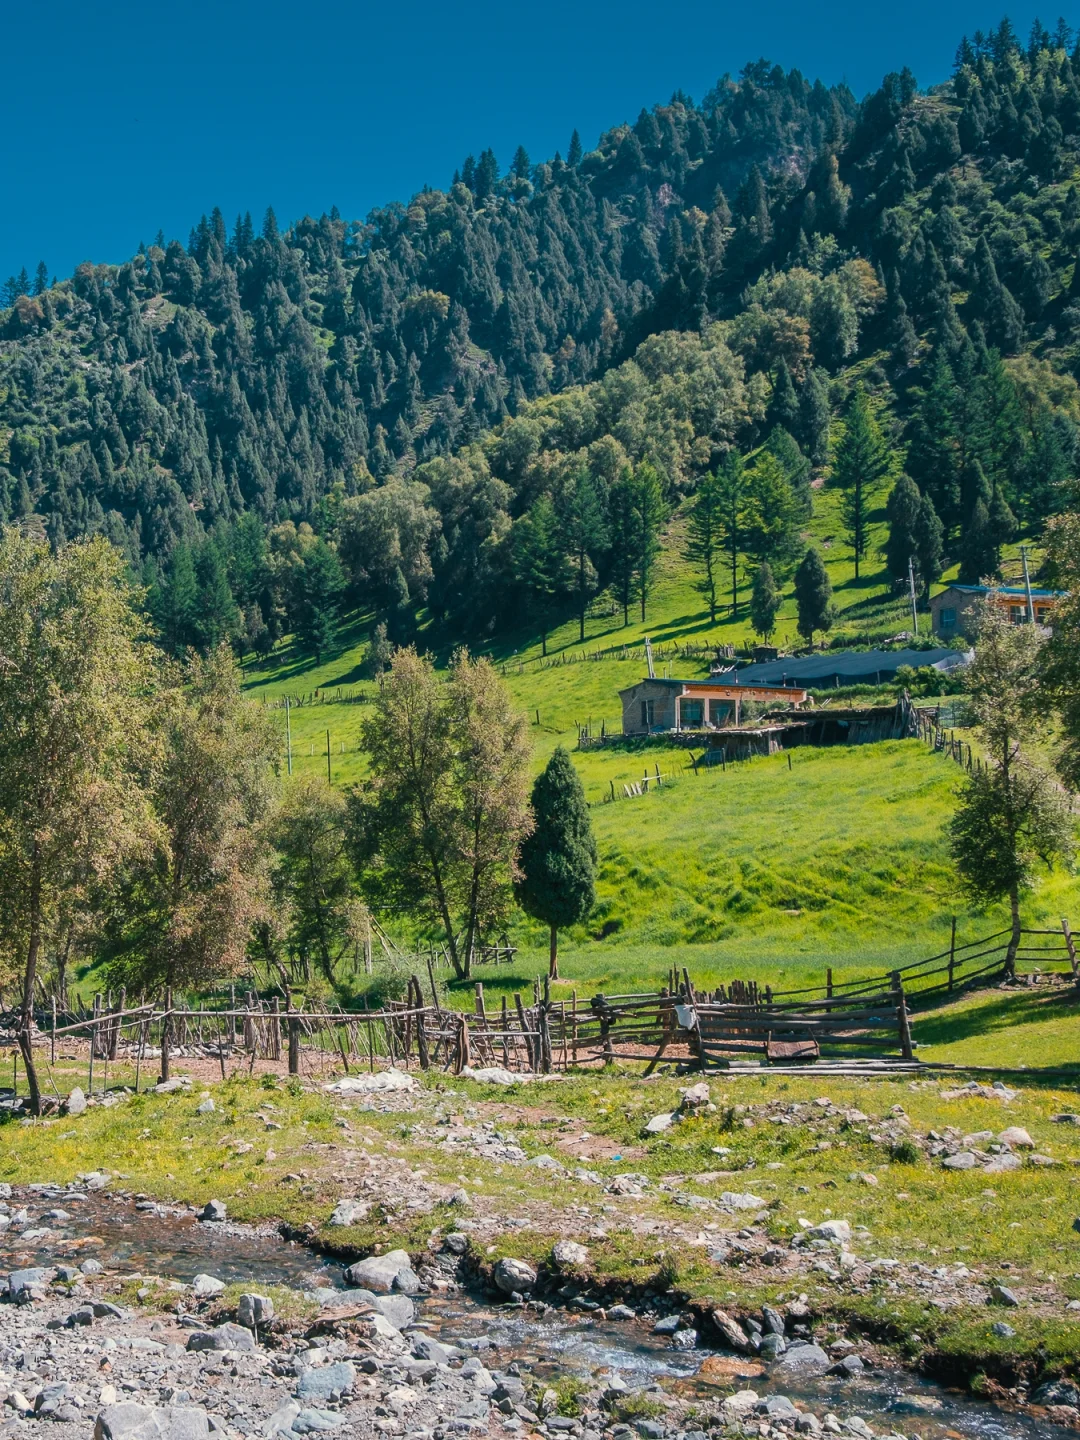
(1002, 1330)
(847, 1368)
(106, 1310)
(568, 1253)
(280, 1422)
(91, 1267)
(1001, 1163)
(739, 1405)
(1017, 1137)
(512, 1275)
(380, 1272)
(204, 1287)
(325, 1382)
(837, 1232)
(205, 1107)
(253, 1310)
(1065, 1119)
(694, 1097)
(1057, 1392)
(649, 1429)
(732, 1332)
(222, 1337)
(22, 1283)
(170, 1087)
(965, 1160)
(311, 1421)
(456, 1243)
(621, 1312)
(349, 1212)
(773, 1320)
(494, 1075)
(803, 1360)
(741, 1200)
(426, 1348)
(382, 1080)
(666, 1325)
(460, 1198)
(772, 1347)
(1002, 1295)
(129, 1421)
(76, 1102)
(776, 1407)
(399, 1310)
(659, 1123)
(213, 1210)
(684, 1339)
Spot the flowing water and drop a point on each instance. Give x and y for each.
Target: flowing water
(158, 1241)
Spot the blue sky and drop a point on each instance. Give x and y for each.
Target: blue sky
(122, 119)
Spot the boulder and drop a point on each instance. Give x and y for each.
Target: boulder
(204, 1287)
(22, 1283)
(91, 1267)
(733, 1333)
(802, 1360)
(222, 1337)
(380, 1272)
(326, 1382)
(512, 1276)
(1002, 1295)
(129, 1421)
(772, 1319)
(568, 1253)
(739, 1405)
(837, 1232)
(965, 1160)
(741, 1200)
(205, 1107)
(312, 1421)
(1057, 1392)
(213, 1210)
(381, 1081)
(349, 1212)
(1017, 1137)
(776, 1407)
(426, 1348)
(659, 1123)
(253, 1310)
(76, 1102)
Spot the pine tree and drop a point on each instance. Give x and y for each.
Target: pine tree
(585, 537)
(772, 514)
(733, 518)
(704, 546)
(573, 155)
(621, 510)
(41, 278)
(929, 545)
(765, 601)
(319, 587)
(179, 603)
(813, 433)
(216, 617)
(813, 595)
(902, 513)
(648, 516)
(862, 459)
(784, 405)
(558, 860)
(538, 562)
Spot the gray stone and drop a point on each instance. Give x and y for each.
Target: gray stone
(732, 1331)
(325, 1382)
(776, 1407)
(106, 1310)
(379, 1272)
(222, 1337)
(213, 1210)
(684, 1339)
(22, 1282)
(568, 1253)
(205, 1107)
(621, 1312)
(965, 1160)
(205, 1287)
(659, 1123)
(512, 1275)
(848, 1367)
(1002, 1329)
(649, 1429)
(836, 1232)
(311, 1421)
(1002, 1295)
(1057, 1392)
(667, 1325)
(398, 1309)
(252, 1310)
(1017, 1137)
(76, 1102)
(456, 1243)
(129, 1421)
(425, 1348)
(772, 1347)
(772, 1319)
(348, 1212)
(91, 1267)
(803, 1360)
(741, 1200)
(51, 1397)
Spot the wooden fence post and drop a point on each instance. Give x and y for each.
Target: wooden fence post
(902, 1017)
(1070, 945)
(952, 952)
(294, 1045)
(166, 1035)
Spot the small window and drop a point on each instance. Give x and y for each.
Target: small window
(693, 714)
(947, 619)
(647, 714)
(1042, 613)
(719, 710)
(1017, 614)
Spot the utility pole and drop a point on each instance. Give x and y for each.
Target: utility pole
(911, 589)
(288, 734)
(1027, 586)
(649, 659)
(328, 779)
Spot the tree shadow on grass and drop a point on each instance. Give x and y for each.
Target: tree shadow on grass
(1008, 1011)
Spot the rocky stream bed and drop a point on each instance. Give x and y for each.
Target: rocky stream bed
(130, 1320)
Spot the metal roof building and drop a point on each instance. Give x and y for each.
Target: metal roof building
(843, 667)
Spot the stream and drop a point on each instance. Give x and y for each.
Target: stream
(133, 1237)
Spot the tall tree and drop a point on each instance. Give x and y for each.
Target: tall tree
(772, 515)
(1011, 814)
(902, 513)
(813, 595)
(861, 460)
(705, 543)
(765, 601)
(75, 677)
(1060, 657)
(178, 611)
(182, 913)
(734, 518)
(558, 860)
(929, 545)
(319, 587)
(621, 510)
(648, 516)
(538, 562)
(585, 536)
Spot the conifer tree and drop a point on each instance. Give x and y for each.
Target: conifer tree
(558, 860)
(814, 418)
(648, 516)
(902, 512)
(538, 562)
(179, 603)
(585, 537)
(319, 585)
(573, 155)
(765, 601)
(621, 510)
(813, 595)
(929, 545)
(733, 517)
(862, 458)
(704, 547)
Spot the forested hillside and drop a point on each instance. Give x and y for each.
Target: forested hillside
(480, 405)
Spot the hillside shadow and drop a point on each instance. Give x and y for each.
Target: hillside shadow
(948, 1026)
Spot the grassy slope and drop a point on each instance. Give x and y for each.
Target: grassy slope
(760, 871)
